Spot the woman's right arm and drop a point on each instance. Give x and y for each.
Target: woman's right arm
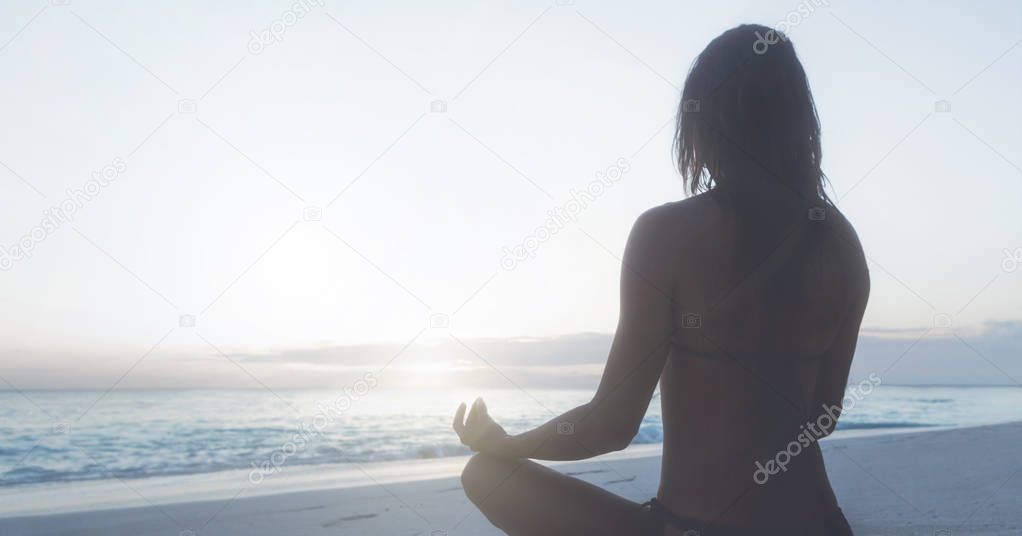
(832, 379)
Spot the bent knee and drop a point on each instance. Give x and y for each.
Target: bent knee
(483, 474)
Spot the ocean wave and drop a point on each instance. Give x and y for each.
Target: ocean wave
(649, 434)
(181, 433)
(441, 451)
(135, 461)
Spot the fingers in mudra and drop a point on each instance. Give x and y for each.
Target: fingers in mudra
(478, 431)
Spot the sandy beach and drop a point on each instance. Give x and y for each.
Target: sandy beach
(961, 481)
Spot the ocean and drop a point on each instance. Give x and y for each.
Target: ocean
(69, 436)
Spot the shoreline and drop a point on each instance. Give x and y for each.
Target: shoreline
(959, 480)
(87, 496)
(144, 450)
(110, 494)
(104, 494)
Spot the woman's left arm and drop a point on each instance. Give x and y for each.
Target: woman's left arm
(641, 344)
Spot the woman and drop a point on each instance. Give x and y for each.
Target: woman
(743, 301)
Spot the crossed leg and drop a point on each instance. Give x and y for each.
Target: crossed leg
(522, 497)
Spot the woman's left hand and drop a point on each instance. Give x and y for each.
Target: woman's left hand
(479, 432)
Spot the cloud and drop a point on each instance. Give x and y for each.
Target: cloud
(575, 349)
(989, 355)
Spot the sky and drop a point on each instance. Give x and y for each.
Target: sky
(218, 194)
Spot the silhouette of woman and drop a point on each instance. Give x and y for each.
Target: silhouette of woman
(742, 301)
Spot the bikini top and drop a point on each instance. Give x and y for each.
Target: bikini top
(771, 368)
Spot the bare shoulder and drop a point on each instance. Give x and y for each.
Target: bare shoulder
(849, 248)
(661, 233)
(845, 232)
(675, 219)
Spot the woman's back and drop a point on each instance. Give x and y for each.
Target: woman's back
(743, 302)
(748, 369)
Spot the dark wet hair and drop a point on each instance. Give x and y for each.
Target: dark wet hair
(747, 129)
(747, 107)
